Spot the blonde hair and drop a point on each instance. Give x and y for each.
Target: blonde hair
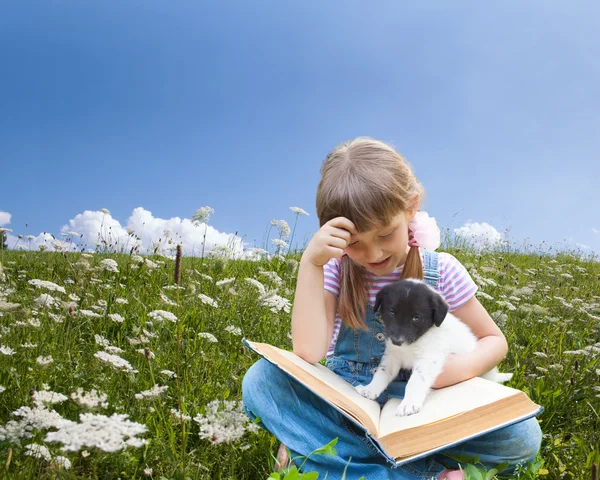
(368, 182)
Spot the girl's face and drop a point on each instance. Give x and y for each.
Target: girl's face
(383, 249)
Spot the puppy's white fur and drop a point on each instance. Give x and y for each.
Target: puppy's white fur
(426, 358)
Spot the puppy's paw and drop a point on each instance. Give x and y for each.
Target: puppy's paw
(367, 392)
(408, 408)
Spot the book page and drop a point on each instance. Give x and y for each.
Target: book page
(370, 407)
(444, 403)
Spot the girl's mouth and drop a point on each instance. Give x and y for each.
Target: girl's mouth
(380, 264)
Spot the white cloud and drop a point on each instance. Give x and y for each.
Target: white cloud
(4, 218)
(595, 230)
(480, 235)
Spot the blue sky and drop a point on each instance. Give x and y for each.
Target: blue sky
(171, 106)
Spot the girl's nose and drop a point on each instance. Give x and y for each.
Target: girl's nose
(373, 254)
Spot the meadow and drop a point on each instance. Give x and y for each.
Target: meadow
(111, 369)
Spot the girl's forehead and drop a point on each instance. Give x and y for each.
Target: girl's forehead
(384, 228)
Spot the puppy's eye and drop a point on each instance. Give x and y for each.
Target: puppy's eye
(416, 319)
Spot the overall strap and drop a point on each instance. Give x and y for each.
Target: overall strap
(431, 273)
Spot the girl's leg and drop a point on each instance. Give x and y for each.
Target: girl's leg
(305, 422)
(517, 443)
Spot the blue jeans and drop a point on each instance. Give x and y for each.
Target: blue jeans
(305, 422)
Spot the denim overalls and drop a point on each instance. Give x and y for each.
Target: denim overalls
(304, 422)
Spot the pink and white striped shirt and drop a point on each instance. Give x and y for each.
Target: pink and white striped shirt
(455, 285)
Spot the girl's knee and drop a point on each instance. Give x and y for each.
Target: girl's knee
(527, 439)
(258, 385)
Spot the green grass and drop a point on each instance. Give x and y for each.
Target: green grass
(556, 312)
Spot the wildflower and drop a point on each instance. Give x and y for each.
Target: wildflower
(225, 281)
(211, 338)
(44, 360)
(57, 318)
(61, 462)
(109, 265)
(276, 303)
(106, 211)
(299, 211)
(484, 295)
(115, 361)
(147, 353)
(85, 454)
(166, 300)
(160, 315)
(2, 389)
(115, 317)
(179, 416)
(233, 330)
(53, 287)
(226, 425)
(280, 243)
(91, 399)
(202, 215)
(90, 314)
(540, 354)
(207, 300)
(256, 283)
(36, 450)
(148, 472)
(150, 264)
(42, 397)
(122, 301)
(507, 304)
(45, 300)
(151, 394)
(169, 373)
(109, 434)
(6, 350)
(34, 322)
(6, 306)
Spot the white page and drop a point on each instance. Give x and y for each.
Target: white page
(444, 403)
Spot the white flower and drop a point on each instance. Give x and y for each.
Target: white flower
(148, 472)
(61, 462)
(275, 302)
(91, 399)
(115, 317)
(151, 394)
(6, 350)
(44, 360)
(225, 281)
(109, 434)
(280, 243)
(45, 300)
(122, 301)
(226, 425)
(207, 300)
(161, 315)
(425, 231)
(202, 215)
(90, 314)
(106, 211)
(180, 416)
(169, 373)
(166, 300)
(42, 397)
(2, 388)
(53, 287)
(257, 284)
(233, 330)
(299, 211)
(6, 306)
(36, 450)
(115, 361)
(211, 338)
(109, 265)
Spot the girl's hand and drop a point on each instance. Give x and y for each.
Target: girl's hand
(330, 241)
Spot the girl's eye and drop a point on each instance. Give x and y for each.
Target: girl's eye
(416, 318)
(386, 235)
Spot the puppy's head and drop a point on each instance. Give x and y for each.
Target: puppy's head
(409, 308)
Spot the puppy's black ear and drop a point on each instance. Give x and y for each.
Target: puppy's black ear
(379, 299)
(439, 309)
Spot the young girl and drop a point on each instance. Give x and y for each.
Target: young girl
(367, 203)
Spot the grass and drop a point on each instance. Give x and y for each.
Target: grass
(548, 307)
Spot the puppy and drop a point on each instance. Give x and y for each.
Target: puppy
(420, 334)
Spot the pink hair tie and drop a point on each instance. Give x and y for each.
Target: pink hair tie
(411, 239)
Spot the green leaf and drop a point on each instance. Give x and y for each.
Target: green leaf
(327, 449)
(472, 473)
(490, 474)
(275, 476)
(310, 476)
(292, 474)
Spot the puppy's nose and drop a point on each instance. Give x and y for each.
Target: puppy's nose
(398, 340)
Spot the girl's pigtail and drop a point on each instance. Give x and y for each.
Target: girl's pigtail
(353, 294)
(413, 267)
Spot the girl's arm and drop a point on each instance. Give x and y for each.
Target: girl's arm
(313, 313)
(490, 350)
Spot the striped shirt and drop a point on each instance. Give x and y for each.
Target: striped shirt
(455, 285)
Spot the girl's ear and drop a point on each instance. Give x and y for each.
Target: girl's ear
(414, 206)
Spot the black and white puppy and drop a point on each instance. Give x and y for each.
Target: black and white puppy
(420, 334)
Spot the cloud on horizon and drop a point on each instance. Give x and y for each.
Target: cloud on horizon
(92, 229)
(480, 235)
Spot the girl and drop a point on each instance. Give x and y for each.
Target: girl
(367, 203)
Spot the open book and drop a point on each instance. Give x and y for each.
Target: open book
(449, 416)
